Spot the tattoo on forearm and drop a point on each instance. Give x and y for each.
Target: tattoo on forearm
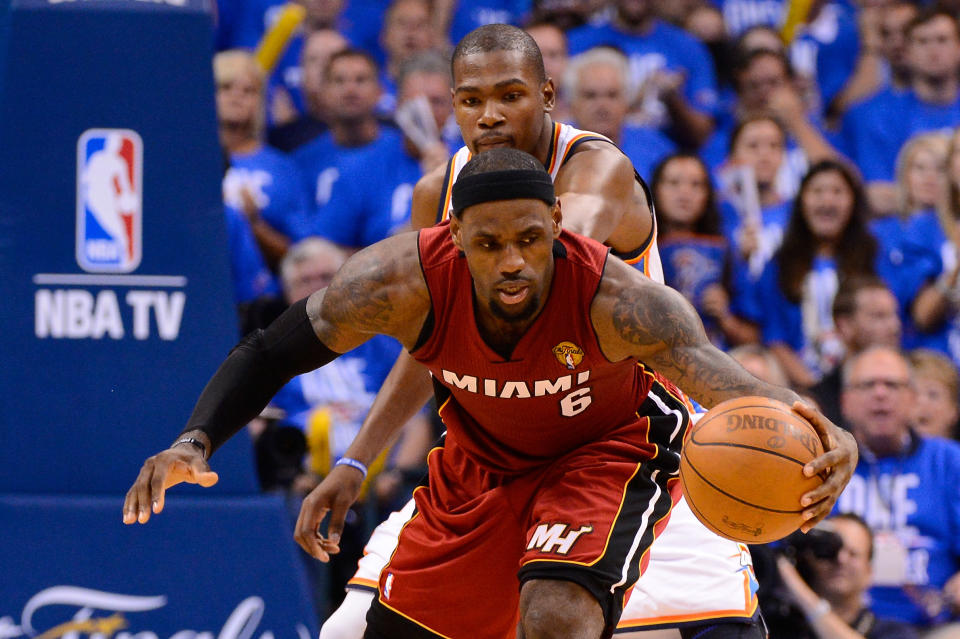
(668, 328)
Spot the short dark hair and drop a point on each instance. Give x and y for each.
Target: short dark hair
(352, 53)
(845, 302)
(929, 14)
(501, 37)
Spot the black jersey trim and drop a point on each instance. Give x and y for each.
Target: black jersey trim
(441, 205)
(559, 250)
(593, 298)
(428, 324)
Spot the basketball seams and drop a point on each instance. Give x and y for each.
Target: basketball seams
(733, 497)
(765, 451)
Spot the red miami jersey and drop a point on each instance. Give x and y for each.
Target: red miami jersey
(556, 392)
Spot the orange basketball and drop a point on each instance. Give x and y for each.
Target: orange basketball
(742, 469)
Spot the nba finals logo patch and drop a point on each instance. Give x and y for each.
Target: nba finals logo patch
(568, 354)
(109, 200)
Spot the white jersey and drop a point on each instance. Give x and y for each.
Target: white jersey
(563, 143)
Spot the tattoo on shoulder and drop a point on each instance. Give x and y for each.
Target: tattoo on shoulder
(359, 296)
(651, 320)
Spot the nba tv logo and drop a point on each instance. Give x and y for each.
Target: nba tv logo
(109, 200)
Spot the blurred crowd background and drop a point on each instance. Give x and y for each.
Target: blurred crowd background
(804, 158)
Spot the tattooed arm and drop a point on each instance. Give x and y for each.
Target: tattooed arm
(379, 290)
(636, 317)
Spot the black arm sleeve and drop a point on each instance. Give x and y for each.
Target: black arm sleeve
(254, 371)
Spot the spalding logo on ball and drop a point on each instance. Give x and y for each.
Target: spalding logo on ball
(742, 469)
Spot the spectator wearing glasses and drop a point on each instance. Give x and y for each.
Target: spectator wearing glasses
(907, 488)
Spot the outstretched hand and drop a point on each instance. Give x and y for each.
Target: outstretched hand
(335, 494)
(171, 467)
(837, 464)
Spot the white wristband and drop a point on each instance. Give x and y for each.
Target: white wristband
(353, 463)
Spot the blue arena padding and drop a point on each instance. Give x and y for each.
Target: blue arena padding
(70, 565)
(117, 303)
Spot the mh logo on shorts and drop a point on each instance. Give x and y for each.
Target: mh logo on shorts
(551, 538)
(109, 200)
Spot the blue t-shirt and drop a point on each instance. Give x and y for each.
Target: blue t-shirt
(664, 47)
(274, 181)
(914, 496)
(875, 130)
(251, 277)
(740, 15)
(691, 263)
(926, 236)
(476, 13)
(347, 385)
(646, 147)
(371, 201)
(795, 164)
(826, 51)
(323, 161)
(907, 259)
(774, 220)
(783, 320)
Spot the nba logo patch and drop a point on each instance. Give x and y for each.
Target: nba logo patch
(109, 200)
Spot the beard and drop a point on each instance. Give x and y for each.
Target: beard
(521, 314)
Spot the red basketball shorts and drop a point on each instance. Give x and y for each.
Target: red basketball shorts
(588, 517)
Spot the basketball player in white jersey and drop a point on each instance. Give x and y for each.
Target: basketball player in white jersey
(696, 581)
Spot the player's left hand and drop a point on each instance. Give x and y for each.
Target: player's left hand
(837, 463)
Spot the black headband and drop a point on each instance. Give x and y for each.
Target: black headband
(502, 185)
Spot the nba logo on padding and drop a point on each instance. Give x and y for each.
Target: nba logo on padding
(109, 200)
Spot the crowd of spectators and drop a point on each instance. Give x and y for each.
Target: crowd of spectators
(805, 167)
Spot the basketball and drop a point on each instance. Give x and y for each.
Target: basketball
(742, 469)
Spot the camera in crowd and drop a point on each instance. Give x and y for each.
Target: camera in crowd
(819, 543)
(782, 616)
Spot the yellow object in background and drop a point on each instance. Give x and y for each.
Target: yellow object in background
(274, 42)
(319, 435)
(796, 15)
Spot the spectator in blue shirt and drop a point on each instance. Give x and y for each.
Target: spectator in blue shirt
(311, 121)
(766, 86)
(825, 50)
(372, 198)
(753, 227)
(925, 188)
(907, 488)
(695, 254)
(882, 66)
(598, 90)
(352, 89)
(407, 31)
(826, 241)
(672, 69)
(261, 182)
(932, 102)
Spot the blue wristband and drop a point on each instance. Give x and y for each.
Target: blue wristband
(353, 463)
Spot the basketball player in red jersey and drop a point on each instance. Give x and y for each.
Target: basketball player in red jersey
(503, 98)
(568, 474)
